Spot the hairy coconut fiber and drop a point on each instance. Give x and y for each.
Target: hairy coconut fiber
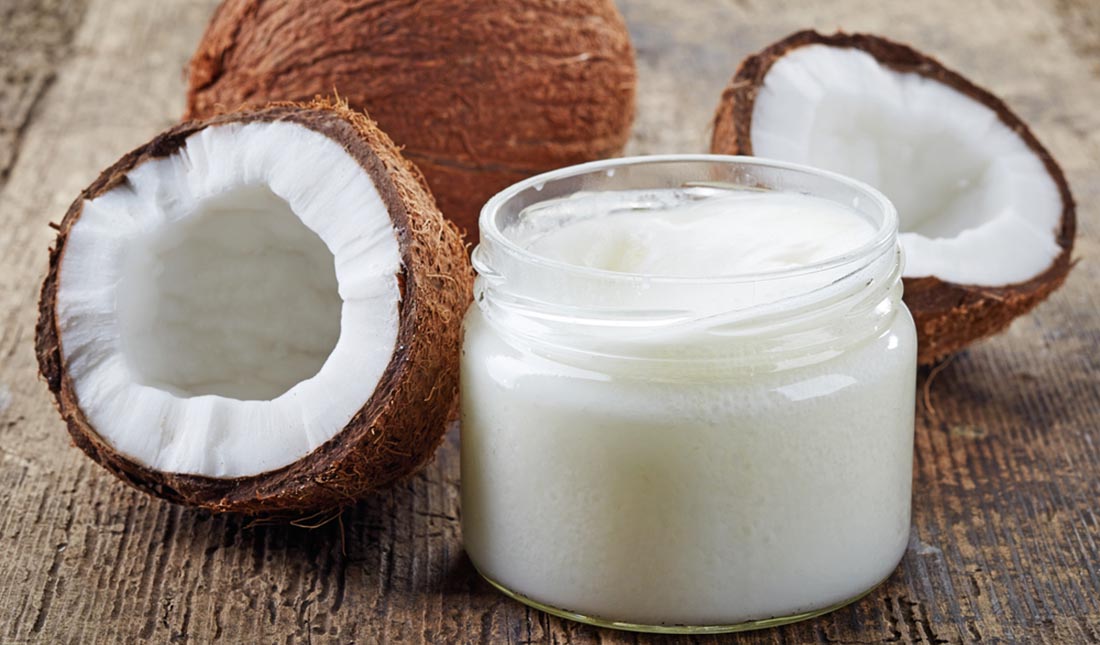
(478, 94)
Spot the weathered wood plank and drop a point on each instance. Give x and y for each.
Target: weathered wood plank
(1006, 540)
(34, 38)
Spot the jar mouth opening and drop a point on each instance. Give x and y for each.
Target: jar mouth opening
(883, 240)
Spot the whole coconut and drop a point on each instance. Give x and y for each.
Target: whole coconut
(479, 94)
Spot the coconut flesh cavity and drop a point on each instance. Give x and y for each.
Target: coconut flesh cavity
(976, 205)
(236, 313)
(986, 217)
(215, 273)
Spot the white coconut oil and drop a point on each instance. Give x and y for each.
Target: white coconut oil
(687, 405)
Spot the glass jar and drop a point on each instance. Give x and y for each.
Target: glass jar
(676, 454)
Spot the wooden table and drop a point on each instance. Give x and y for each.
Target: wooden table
(1006, 538)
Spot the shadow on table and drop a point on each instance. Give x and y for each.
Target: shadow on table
(978, 392)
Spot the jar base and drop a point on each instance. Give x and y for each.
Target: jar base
(677, 629)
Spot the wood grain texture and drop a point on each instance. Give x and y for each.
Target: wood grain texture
(34, 38)
(1006, 538)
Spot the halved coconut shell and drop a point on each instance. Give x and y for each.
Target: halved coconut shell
(949, 316)
(396, 431)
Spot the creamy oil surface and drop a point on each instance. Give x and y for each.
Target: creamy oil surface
(725, 234)
(648, 496)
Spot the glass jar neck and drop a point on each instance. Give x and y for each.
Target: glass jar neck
(771, 320)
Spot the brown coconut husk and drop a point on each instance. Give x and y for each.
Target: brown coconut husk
(478, 94)
(398, 429)
(948, 316)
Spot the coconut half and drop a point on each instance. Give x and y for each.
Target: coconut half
(258, 313)
(986, 216)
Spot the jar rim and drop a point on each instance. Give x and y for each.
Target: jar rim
(883, 240)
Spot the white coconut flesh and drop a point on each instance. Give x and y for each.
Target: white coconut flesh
(976, 204)
(229, 308)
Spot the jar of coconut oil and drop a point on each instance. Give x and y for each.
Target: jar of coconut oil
(687, 393)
